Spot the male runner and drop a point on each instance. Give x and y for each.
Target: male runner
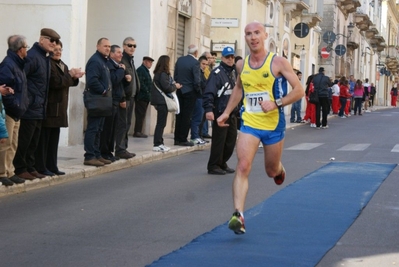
(263, 76)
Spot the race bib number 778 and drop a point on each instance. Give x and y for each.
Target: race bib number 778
(253, 99)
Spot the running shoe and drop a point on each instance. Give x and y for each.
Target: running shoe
(161, 148)
(279, 179)
(198, 141)
(236, 223)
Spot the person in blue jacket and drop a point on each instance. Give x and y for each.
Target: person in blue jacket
(37, 69)
(15, 103)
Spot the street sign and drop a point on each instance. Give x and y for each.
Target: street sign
(329, 37)
(301, 30)
(340, 50)
(324, 53)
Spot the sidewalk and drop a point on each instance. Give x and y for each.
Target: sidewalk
(70, 160)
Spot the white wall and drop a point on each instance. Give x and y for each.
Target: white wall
(68, 18)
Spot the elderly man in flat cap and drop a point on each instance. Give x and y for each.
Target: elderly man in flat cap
(37, 71)
(143, 97)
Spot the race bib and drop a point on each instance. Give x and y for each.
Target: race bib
(253, 100)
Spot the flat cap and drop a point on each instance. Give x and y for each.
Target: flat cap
(50, 33)
(148, 58)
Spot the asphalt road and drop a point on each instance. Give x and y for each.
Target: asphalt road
(133, 216)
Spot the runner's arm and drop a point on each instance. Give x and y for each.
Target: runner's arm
(284, 68)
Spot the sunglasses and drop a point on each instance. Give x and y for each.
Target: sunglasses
(25, 46)
(52, 40)
(230, 56)
(131, 45)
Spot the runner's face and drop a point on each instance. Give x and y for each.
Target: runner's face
(255, 36)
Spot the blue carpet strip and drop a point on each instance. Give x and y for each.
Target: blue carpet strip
(297, 226)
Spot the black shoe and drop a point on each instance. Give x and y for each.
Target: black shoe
(217, 172)
(187, 143)
(5, 181)
(58, 172)
(47, 173)
(112, 159)
(17, 180)
(125, 155)
(229, 170)
(140, 135)
(207, 136)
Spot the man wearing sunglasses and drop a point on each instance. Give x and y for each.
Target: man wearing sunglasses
(37, 69)
(217, 93)
(125, 111)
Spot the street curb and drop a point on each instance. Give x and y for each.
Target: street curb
(82, 171)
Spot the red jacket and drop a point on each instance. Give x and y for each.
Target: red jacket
(344, 91)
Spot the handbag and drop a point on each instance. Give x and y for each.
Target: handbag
(97, 105)
(314, 97)
(171, 103)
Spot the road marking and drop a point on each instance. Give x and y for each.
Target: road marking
(305, 146)
(395, 148)
(354, 147)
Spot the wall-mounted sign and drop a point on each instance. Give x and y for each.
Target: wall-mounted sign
(324, 53)
(224, 22)
(301, 30)
(220, 46)
(340, 50)
(329, 37)
(184, 7)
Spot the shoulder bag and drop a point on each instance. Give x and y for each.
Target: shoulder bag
(97, 105)
(171, 103)
(314, 97)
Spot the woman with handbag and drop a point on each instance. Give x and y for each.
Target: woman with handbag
(163, 82)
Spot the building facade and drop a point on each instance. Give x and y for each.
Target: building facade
(159, 27)
(298, 30)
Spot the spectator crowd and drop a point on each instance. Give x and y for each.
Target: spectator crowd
(35, 84)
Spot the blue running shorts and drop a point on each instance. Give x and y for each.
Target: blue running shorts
(266, 137)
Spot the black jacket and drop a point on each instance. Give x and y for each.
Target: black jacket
(164, 83)
(187, 73)
(13, 75)
(218, 89)
(37, 69)
(117, 79)
(129, 89)
(321, 83)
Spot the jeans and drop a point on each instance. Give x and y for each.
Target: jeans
(342, 101)
(92, 137)
(196, 119)
(296, 110)
(358, 105)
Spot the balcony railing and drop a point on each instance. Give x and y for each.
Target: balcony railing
(294, 7)
(348, 6)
